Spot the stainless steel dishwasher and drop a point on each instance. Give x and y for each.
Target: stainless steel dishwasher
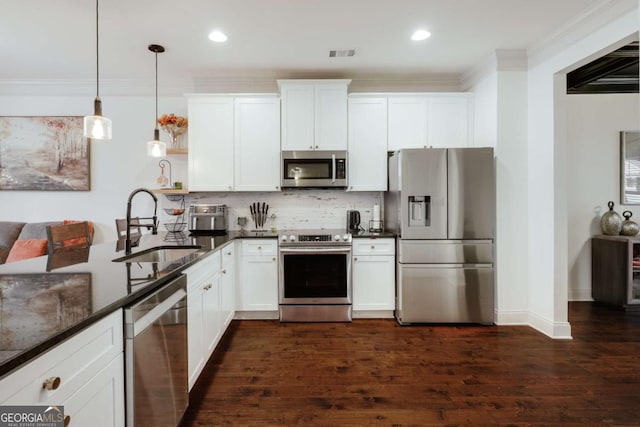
(157, 392)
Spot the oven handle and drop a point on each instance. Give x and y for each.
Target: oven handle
(345, 250)
(333, 168)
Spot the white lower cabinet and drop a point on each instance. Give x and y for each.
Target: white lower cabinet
(227, 285)
(258, 279)
(203, 313)
(84, 373)
(100, 401)
(373, 275)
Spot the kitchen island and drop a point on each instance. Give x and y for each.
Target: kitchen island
(44, 301)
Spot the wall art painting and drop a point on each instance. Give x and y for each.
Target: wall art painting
(46, 153)
(35, 306)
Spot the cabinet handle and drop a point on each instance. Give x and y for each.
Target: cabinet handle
(67, 420)
(224, 271)
(229, 253)
(230, 188)
(373, 247)
(355, 259)
(273, 259)
(259, 248)
(316, 146)
(206, 288)
(311, 146)
(277, 187)
(51, 383)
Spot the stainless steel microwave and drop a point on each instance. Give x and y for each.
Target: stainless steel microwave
(314, 169)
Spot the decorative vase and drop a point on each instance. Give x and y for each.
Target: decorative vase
(175, 132)
(611, 222)
(629, 228)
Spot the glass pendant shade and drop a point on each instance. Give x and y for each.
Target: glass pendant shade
(156, 148)
(97, 126)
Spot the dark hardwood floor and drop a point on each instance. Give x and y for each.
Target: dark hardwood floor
(374, 372)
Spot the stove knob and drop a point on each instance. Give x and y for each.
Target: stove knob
(283, 238)
(345, 237)
(292, 238)
(336, 237)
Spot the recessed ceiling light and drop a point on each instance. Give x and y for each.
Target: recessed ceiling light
(217, 36)
(420, 35)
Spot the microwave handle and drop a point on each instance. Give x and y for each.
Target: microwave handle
(333, 168)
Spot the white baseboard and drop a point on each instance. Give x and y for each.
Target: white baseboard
(580, 294)
(256, 315)
(555, 330)
(512, 317)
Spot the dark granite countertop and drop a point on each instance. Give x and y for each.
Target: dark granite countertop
(373, 235)
(45, 300)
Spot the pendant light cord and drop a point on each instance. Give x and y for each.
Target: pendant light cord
(97, 53)
(156, 118)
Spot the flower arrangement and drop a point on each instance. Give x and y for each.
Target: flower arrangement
(174, 126)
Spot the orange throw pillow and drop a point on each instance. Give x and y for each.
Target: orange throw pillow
(80, 240)
(25, 249)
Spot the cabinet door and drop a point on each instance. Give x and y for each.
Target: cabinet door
(257, 144)
(448, 121)
(100, 402)
(367, 144)
(211, 144)
(407, 122)
(211, 326)
(373, 282)
(195, 334)
(227, 286)
(298, 117)
(331, 116)
(258, 290)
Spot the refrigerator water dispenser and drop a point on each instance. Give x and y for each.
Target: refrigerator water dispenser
(419, 211)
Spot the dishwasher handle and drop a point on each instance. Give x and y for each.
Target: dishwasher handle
(144, 313)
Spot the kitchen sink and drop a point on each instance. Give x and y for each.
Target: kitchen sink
(162, 254)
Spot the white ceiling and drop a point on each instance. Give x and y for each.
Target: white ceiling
(55, 39)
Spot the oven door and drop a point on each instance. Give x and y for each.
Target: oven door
(315, 275)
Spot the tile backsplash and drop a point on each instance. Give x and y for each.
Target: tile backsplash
(292, 209)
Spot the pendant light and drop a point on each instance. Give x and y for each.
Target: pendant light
(97, 126)
(156, 148)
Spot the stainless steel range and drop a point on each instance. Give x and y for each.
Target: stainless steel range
(315, 276)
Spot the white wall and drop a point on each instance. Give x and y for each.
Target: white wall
(546, 220)
(593, 143)
(117, 166)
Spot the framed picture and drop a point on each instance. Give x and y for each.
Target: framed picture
(629, 168)
(45, 153)
(35, 306)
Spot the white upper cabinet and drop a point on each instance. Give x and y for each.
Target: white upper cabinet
(314, 114)
(367, 160)
(210, 144)
(234, 143)
(257, 144)
(407, 123)
(430, 120)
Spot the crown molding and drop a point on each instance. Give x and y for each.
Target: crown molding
(84, 87)
(579, 27)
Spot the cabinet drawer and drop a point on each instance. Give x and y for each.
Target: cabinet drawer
(203, 268)
(74, 362)
(374, 246)
(259, 247)
(227, 254)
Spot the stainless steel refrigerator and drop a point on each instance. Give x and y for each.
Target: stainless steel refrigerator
(441, 204)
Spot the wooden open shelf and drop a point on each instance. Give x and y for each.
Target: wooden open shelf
(177, 151)
(170, 191)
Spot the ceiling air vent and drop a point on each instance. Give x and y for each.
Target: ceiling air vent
(341, 53)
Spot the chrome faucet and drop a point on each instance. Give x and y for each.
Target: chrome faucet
(153, 226)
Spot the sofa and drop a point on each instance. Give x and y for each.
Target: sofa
(21, 240)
